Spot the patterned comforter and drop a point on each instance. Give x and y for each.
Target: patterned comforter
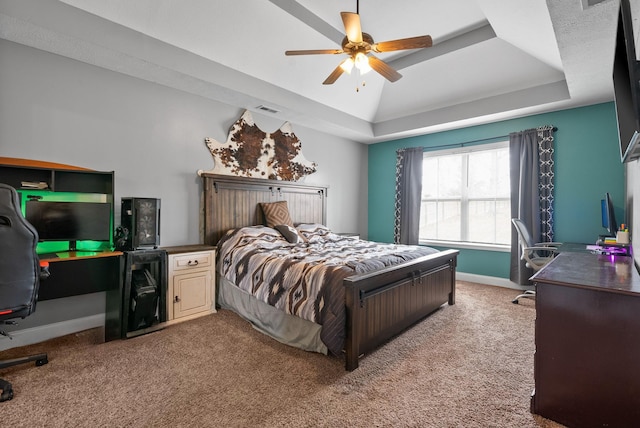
(305, 279)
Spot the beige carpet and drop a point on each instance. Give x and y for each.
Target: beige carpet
(467, 365)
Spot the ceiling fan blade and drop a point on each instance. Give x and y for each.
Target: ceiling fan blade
(314, 52)
(334, 75)
(400, 44)
(385, 70)
(352, 26)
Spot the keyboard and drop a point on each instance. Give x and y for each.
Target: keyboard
(85, 253)
(67, 254)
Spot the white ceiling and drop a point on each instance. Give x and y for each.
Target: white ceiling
(491, 59)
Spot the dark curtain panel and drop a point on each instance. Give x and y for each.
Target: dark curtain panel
(531, 166)
(546, 182)
(408, 195)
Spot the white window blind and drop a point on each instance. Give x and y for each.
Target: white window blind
(466, 195)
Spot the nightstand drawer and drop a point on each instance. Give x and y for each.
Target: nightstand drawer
(192, 260)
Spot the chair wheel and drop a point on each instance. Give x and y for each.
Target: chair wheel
(42, 361)
(6, 395)
(7, 391)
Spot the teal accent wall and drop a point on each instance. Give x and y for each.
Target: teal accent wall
(587, 161)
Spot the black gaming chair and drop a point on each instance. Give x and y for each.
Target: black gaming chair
(20, 273)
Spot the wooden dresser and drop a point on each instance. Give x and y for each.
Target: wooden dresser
(587, 336)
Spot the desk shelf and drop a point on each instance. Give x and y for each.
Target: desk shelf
(17, 173)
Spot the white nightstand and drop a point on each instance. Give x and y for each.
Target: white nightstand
(191, 282)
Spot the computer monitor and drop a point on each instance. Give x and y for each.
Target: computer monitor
(608, 216)
(70, 221)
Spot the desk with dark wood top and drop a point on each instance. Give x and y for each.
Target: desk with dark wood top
(587, 336)
(80, 272)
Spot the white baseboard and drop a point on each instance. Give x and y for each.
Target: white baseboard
(490, 280)
(29, 336)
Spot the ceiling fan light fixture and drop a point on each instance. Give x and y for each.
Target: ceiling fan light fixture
(362, 63)
(347, 65)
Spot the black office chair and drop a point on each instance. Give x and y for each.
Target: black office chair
(535, 255)
(20, 274)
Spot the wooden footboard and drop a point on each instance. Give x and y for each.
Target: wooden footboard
(382, 304)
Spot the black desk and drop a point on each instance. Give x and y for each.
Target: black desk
(75, 273)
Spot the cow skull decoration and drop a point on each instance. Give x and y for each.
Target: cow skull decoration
(251, 152)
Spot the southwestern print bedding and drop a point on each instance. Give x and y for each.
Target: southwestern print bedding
(305, 279)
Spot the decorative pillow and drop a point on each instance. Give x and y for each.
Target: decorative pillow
(290, 233)
(313, 231)
(276, 213)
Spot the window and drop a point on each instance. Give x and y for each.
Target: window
(466, 195)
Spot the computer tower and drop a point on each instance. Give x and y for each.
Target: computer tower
(144, 300)
(139, 305)
(141, 218)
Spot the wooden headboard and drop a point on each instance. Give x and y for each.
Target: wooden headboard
(232, 202)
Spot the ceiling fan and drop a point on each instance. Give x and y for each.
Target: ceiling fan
(359, 46)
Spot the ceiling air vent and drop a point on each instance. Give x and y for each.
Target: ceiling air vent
(267, 109)
(588, 3)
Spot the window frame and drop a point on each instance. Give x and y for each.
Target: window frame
(464, 207)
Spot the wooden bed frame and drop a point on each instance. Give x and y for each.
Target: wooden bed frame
(380, 304)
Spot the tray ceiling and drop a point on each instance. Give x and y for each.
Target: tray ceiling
(491, 59)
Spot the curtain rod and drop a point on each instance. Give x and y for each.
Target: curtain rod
(499, 137)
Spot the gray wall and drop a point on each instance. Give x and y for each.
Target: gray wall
(60, 110)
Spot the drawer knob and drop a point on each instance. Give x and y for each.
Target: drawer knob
(176, 299)
(192, 263)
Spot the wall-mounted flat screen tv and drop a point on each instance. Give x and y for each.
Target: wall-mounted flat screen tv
(626, 84)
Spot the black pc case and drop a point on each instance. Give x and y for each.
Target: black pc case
(141, 217)
(144, 300)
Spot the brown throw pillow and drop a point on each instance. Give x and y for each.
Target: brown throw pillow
(290, 233)
(276, 213)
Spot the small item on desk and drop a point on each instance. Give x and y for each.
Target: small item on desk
(622, 236)
(34, 184)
